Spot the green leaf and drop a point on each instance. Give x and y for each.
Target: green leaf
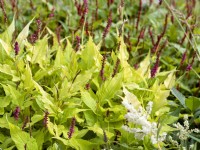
(23, 34)
(178, 95)
(16, 96)
(5, 46)
(88, 100)
(7, 34)
(22, 138)
(91, 56)
(4, 101)
(39, 136)
(196, 139)
(170, 81)
(192, 103)
(123, 54)
(109, 88)
(40, 52)
(131, 98)
(6, 72)
(28, 81)
(144, 66)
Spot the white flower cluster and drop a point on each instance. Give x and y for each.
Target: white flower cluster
(184, 130)
(140, 119)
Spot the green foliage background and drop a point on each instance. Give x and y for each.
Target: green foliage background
(50, 75)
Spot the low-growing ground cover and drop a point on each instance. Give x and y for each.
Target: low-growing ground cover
(93, 75)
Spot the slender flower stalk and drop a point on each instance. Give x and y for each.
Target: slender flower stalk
(13, 4)
(188, 8)
(150, 2)
(160, 2)
(58, 32)
(71, 129)
(141, 35)
(184, 37)
(84, 12)
(139, 15)
(25, 122)
(2, 5)
(189, 67)
(45, 120)
(96, 11)
(87, 86)
(39, 25)
(107, 113)
(156, 45)
(106, 30)
(105, 138)
(110, 2)
(121, 7)
(155, 67)
(129, 42)
(102, 68)
(16, 113)
(16, 48)
(151, 36)
(78, 7)
(183, 58)
(87, 28)
(51, 15)
(117, 134)
(116, 67)
(31, 5)
(78, 43)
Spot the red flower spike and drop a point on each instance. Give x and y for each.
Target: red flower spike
(71, 129)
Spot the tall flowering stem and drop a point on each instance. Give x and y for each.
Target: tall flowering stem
(71, 129)
(155, 67)
(16, 48)
(189, 67)
(160, 2)
(183, 58)
(96, 11)
(78, 43)
(150, 2)
(102, 68)
(106, 30)
(105, 138)
(51, 15)
(78, 7)
(45, 120)
(190, 4)
(13, 4)
(151, 36)
(116, 67)
(58, 32)
(109, 2)
(184, 37)
(84, 12)
(25, 122)
(31, 5)
(139, 14)
(16, 113)
(129, 42)
(3, 10)
(156, 46)
(121, 6)
(141, 35)
(87, 28)
(34, 37)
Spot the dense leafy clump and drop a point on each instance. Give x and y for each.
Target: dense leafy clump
(119, 75)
